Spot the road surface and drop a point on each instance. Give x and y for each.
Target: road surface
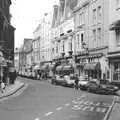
(43, 101)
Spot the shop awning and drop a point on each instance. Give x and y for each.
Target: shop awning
(79, 65)
(68, 67)
(115, 25)
(59, 68)
(44, 67)
(92, 66)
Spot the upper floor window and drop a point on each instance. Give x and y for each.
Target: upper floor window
(81, 19)
(117, 37)
(94, 16)
(94, 35)
(82, 37)
(78, 40)
(99, 34)
(99, 13)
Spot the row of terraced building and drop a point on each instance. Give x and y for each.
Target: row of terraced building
(84, 33)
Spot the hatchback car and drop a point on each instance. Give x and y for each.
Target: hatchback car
(83, 83)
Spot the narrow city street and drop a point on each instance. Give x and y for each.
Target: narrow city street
(43, 101)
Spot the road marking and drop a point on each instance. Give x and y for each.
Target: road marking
(49, 113)
(77, 107)
(98, 104)
(37, 119)
(110, 109)
(91, 109)
(99, 109)
(59, 108)
(67, 104)
(85, 108)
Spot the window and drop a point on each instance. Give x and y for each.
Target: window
(94, 35)
(81, 19)
(82, 38)
(63, 47)
(117, 37)
(94, 16)
(78, 39)
(99, 36)
(99, 13)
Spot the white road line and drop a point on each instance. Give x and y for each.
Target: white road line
(37, 119)
(110, 109)
(85, 108)
(59, 108)
(49, 113)
(99, 109)
(68, 104)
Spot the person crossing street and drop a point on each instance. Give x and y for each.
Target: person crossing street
(76, 81)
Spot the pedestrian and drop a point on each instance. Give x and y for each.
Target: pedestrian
(76, 82)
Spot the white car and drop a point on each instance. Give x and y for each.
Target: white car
(69, 82)
(83, 83)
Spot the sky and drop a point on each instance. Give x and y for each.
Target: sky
(26, 15)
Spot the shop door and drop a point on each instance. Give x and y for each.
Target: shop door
(116, 75)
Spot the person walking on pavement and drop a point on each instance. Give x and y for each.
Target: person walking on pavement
(76, 82)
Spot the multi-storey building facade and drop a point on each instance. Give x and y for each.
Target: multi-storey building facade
(91, 29)
(42, 40)
(16, 58)
(6, 30)
(63, 30)
(25, 55)
(114, 39)
(36, 46)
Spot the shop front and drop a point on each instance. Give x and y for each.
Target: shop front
(93, 70)
(115, 69)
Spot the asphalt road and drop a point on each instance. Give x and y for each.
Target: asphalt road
(43, 101)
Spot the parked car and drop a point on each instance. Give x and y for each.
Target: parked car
(107, 87)
(69, 82)
(58, 80)
(83, 83)
(93, 86)
(102, 87)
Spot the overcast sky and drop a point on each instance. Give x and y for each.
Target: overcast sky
(26, 15)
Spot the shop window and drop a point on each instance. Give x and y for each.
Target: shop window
(116, 75)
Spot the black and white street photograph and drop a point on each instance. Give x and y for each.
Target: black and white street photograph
(59, 59)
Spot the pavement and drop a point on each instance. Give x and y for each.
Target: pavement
(115, 113)
(12, 89)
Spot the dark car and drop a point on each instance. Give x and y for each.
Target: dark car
(107, 87)
(102, 87)
(93, 86)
